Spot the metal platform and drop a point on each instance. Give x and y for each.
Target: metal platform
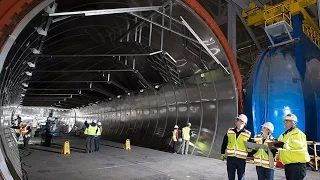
(113, 162)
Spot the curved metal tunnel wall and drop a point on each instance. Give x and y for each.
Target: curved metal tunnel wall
(147, 118)
(208, 98)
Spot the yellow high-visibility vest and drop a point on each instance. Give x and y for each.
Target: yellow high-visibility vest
(174, 137)
(91, 130)
(186, 133)
(99, 131)
(236, 145)
(261, 158)
(295, 148)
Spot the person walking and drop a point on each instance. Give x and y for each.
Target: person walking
(233, 145)
(186, 133)
(261, 156)
(97, 137)
(293, 149)
(90, 131)
(175, 137)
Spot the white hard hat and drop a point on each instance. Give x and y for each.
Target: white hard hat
(99, 123)
(176, 127)
(94, 121)
(291, 117)
(243, 118)
(189, 124)
(269, 125)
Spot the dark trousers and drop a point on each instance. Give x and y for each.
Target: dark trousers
(236, 164)
(295, 171)
(89, 144)
(97, 143)
(25, 141)
(175, 147)
(265, 173)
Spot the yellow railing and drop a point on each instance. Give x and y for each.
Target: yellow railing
(276, 14)
(315, 155)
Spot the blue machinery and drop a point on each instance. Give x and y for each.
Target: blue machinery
(286, 79)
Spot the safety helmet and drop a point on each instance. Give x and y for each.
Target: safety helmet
(176, 127)
(291, 117)
(269, 125)
(94, 121)
(99, 123)
(189, 124)
(243, 118)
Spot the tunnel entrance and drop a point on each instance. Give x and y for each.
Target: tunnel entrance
(138, 67)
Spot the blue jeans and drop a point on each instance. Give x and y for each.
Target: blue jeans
(97, 143)
(236, 164)
(265, 173)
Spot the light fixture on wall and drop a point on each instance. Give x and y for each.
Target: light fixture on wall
(28, 73)
(25, 85)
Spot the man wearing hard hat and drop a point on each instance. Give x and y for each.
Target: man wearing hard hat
(186, 133)
(261, 156)
(233, 145)
(97, 137)
(175, 137)
(293, 149)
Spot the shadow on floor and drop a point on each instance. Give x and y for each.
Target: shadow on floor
(45, 150)
(111, 146)
(71, 147)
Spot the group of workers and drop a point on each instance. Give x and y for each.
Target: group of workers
(186, 133)
(291, 147)
(93, 132)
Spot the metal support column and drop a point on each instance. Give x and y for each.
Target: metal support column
(232, 27)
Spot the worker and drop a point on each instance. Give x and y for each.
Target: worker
(25, 132)
(90, 131)
(261, 156)
(233, 145)
(293, 151)
(175, 137)
(186, 133)
(97, 137)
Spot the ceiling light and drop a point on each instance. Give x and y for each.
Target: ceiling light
(157, 86)
(202, 75)
(32, 65)
(22, 95)
(24, 84)
(110, 99)
(141, 90)
(119, 96)
(28, 73)
(23, 89)
(128, 94)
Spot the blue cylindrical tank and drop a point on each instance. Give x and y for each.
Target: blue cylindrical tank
(276, 91)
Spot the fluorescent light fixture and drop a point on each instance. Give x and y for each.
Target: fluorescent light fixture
(28, 73)
(157, 86)
(141, 90)
(22, 95)
(110, 99)
(119, 96)
(35, 51)
(171, 57)
(202, 75)
(25, 85)
(153, 53)
(32, 65)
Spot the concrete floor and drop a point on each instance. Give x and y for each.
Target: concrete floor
(113, 162)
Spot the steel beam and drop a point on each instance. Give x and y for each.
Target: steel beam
(232, 27)
(102, 91)
(106, 11)
(87, 55)
(71, 81)
(253, 37)
(81, 71)
(52, 94)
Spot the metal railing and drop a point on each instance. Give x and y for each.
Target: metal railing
(276, 14)
(313, 145)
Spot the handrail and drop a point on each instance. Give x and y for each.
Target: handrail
(316, 157)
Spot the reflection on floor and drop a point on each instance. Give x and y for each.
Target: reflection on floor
(113, 162)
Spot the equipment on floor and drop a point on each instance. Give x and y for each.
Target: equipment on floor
(127, 145)
(66, 148)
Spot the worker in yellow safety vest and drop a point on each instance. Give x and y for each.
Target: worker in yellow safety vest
(175, 137)
(293, 149)
(90, 131)
(97, 138)
(186, 133)
(261, 156)
(233, 145)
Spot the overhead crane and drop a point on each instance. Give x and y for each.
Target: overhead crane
(271, 16)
